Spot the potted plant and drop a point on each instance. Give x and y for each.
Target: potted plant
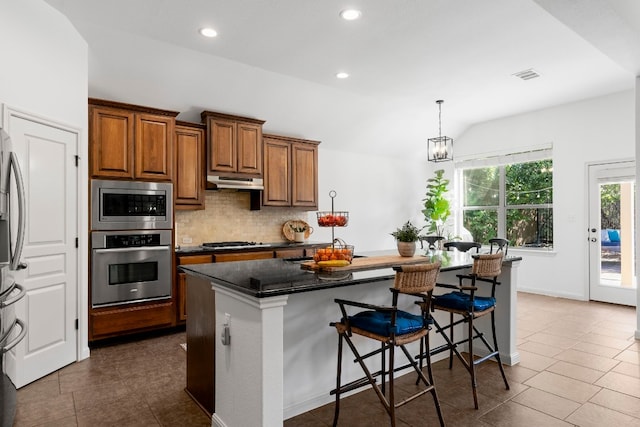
(436, 206)
(299, 231)
(406, 237)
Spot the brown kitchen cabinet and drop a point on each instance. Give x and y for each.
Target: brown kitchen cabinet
(290, 172)
(181, 301)
(290, 253)
(108, 322)
(130, 141)
(189, 183)
(234, 145)
(242, 256)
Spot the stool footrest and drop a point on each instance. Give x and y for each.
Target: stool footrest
(415, 396)
(352, 385)
(483, 358)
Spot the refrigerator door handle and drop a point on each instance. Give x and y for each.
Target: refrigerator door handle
(11, 344)
(16, 298)
(15, 260)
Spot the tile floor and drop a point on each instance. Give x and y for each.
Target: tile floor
(580, 366)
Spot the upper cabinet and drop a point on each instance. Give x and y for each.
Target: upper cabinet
(130, 141)
(189, 182)
(234, 145)
(290, 172)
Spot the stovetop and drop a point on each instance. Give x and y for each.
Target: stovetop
(233, 245)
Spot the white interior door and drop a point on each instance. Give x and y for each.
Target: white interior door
(47, 157)
(611, 233)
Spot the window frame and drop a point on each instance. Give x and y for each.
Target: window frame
(501, 208)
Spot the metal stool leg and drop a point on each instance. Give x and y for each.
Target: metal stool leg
(472, 365)
(339, 374)
(451, 340)
(495, 347)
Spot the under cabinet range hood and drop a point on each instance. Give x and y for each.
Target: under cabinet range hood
(215, 182)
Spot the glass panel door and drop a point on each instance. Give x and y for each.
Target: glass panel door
(611, 233)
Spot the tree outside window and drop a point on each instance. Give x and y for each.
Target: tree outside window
(514, 200)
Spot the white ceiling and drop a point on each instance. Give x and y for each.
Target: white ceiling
(408, 52)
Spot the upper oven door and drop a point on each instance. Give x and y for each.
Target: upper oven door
(131, 205)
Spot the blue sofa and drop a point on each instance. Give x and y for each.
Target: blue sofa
(610, 240)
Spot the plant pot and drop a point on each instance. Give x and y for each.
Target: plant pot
(298, 236)
(406, 248)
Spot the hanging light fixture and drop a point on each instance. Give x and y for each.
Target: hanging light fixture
(440, 149)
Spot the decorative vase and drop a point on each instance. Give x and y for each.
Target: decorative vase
(298, 236)
(406, 248)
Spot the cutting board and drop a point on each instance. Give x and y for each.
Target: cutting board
(367, 263)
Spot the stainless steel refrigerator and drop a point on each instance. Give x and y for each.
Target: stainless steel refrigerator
(12, 230)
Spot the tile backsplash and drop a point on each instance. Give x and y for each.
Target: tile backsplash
(227, 217)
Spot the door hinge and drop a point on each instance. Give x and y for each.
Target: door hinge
(77, 243)
(77, 160)
(77, 325)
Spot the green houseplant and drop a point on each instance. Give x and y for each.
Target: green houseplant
(436, 206)
(406, 237)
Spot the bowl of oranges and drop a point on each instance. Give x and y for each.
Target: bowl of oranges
(338, 254)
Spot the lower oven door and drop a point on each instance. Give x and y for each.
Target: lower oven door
(127, 275)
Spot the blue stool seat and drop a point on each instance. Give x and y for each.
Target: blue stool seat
(379, 323)
(462, 301)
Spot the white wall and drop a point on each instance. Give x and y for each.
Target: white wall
(44, 73)
(590, 131)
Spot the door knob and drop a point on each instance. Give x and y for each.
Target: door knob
(593, 239)
(593, 230)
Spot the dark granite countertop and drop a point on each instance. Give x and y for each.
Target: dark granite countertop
(273, 277)
(266, 246)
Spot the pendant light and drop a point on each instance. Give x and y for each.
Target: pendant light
(440, 149)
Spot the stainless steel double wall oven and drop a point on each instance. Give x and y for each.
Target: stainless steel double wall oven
(130, 241)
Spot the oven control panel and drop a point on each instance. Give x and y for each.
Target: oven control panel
(132, 240)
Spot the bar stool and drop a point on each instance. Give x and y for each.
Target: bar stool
(463, 246)
(501, 245)
(465, 303)
(431, 241)
(392, 328)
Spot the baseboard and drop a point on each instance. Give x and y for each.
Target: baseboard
(216, 421)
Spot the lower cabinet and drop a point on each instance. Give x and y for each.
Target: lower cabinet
(110, 322)
(243, 256)
(181, 301)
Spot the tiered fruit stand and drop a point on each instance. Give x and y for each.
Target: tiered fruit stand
(339, 253)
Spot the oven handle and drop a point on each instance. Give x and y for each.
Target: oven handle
(15, 342)
(15, 299)
(136, 249)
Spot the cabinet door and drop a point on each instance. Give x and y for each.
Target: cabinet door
(249, 141)
(154, 147)
(182, 300)
(189, 175)
(304, 171)
(243, 256)
(277, 173)
(182, 281)
(222, 146)
(111, 133)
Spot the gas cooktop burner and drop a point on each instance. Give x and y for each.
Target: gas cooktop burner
(216, 245)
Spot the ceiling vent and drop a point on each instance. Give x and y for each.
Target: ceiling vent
(527, 74)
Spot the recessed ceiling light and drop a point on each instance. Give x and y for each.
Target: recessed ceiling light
(208, 32)
(350, 14)
(342, 75)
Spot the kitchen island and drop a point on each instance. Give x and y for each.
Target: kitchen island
(280, 356)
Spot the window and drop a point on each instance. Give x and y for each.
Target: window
(513, 200)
